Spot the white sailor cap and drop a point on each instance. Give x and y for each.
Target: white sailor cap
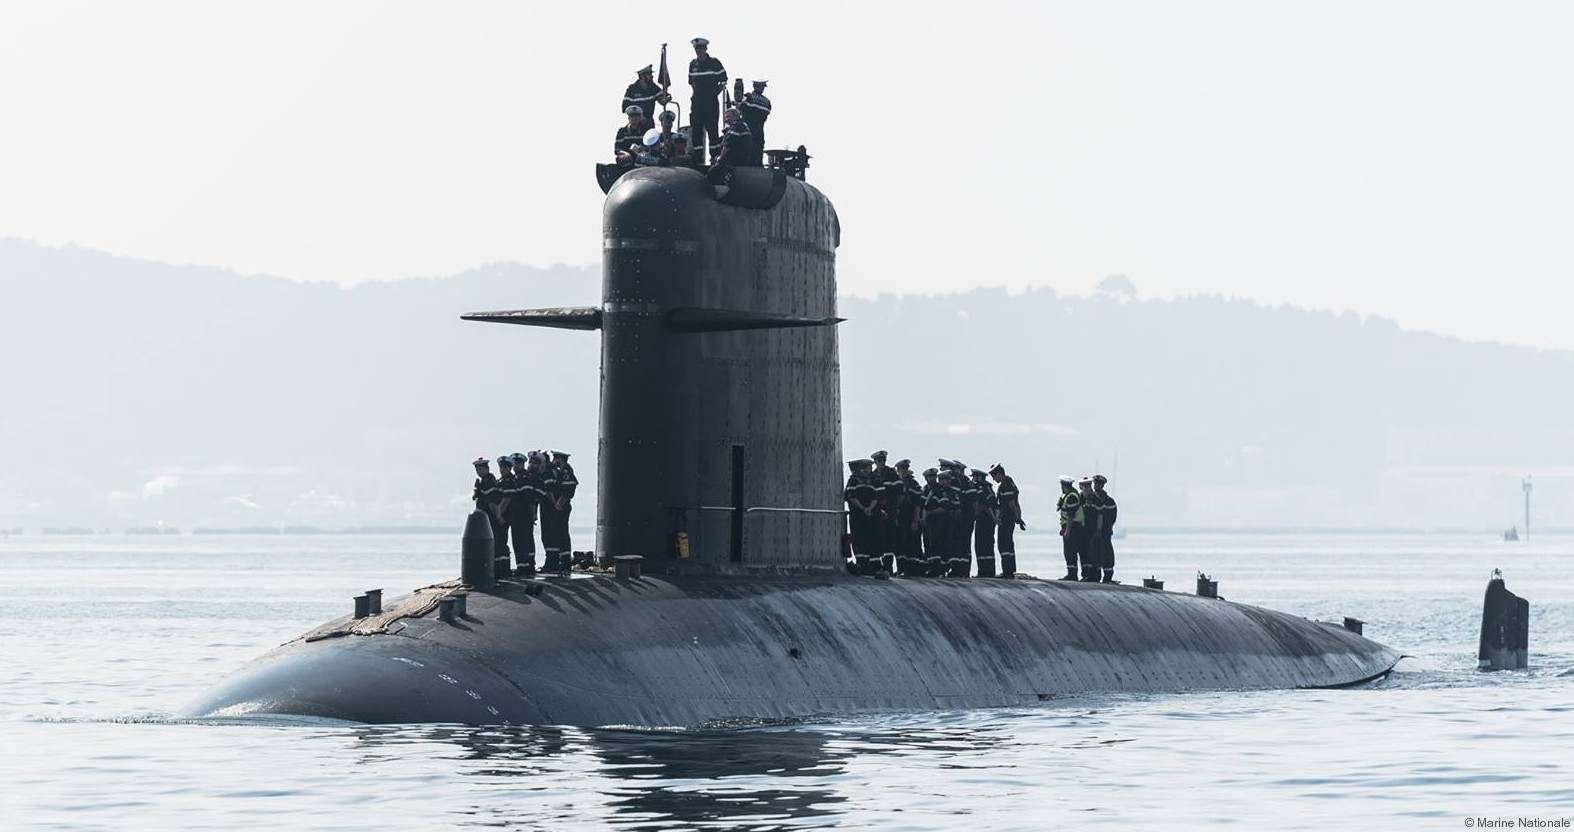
(1085, 481)
(700, 42)
(652, 136)
(481, 462)
(632, 109)
(505, 461)
(1067, 479)
(760, 82)
(997, 467)
(647, 68)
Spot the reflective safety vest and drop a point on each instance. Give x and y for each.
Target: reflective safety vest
(1070, 507)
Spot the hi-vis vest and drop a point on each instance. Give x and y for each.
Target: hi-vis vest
(1070, 506)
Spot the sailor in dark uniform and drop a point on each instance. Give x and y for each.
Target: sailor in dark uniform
(507, 489)
(1069, 506)
(937, 509)
(521, 515)
(1009, 500)
(962, 524)
(863, 519)
(644, 93)
(888, 488)
(1090, 564)
(487, 497)
(756, 108)
(986, 515)
(546, 498)
(565, 485)
(737, 144)
(707, 78)
(1105, 528)
(630, 138)
(909, 520)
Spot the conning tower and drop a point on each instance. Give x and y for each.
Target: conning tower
(720, 448)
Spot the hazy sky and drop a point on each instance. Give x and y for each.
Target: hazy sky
(1408, 159)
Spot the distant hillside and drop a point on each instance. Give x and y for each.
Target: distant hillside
(139, 392)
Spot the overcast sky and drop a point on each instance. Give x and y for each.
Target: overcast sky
(1410, 159)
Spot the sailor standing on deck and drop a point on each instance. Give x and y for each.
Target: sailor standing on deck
(567, 485)
(546, 498)
(863, 519)
(707, 78)
(888, 486)
(1070, 509)
(1009, 500)
(909, 520)
(507, 490)
(986, 515)
(487, 497)
(937, 529)
(1105, 530)
(1090, 564)
(645, 93)
(756, 108)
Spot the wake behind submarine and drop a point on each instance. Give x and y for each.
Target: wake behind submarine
(721, 420)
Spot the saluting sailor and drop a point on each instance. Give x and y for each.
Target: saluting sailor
(1009, 500)
(986, 515)
(756, 108)
(644, 93)
(707, 78)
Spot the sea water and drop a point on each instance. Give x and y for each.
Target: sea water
(102, 637)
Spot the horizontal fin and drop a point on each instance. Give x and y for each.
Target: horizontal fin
(562, 317)
(727, 320)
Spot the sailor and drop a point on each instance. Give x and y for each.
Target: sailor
(756, 108)
(681, 157)
(645, 93)
(630, 137)
(937, 509)
(516, 494)
(1105, 528)
(888, 489)
(736, 142)
(707, 78)
(909, 519)
(1090, 564)
(664, 136)
(507, 488)
(546, 498)
(1009, 501)
(1068, 507)
(986, 515)
(962, 528)
(862, 515)
(487, 497)
(563, 506)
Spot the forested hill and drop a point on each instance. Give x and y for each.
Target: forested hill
(138, 392)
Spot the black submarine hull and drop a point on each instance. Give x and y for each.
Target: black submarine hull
(688, 651)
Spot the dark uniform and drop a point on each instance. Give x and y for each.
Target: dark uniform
(1103, 531)
(629, 136)
(1009, 500)
(487, 496)
(642, 94)
(521, 515)
(707, 78)
(937, 526)
(961, 562)
(546, 498)
(567, 485)
(737, 145)
(985, 510)
(909, 511)
(862, 516)
(755, 109)
(888, 486)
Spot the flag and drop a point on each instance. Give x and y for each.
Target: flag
(663, 77)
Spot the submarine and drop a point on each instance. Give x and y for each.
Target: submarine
(719, 499)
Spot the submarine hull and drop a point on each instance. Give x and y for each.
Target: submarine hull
(688, 651)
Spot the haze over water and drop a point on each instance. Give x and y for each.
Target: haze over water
(106, 635)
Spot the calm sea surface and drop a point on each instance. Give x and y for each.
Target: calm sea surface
(102, 637)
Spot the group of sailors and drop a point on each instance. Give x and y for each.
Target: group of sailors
(642, 142)
(933, 529)
(1087, 529)
(540, 484)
